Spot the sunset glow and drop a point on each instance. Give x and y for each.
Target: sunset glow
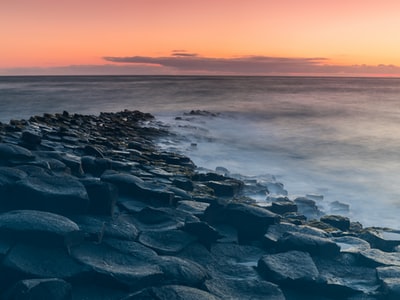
(47, 34)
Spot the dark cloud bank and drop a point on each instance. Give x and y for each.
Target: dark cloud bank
(181, 62)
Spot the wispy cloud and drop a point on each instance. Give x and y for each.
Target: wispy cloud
(184, 62)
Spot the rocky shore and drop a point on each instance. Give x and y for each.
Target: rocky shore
(91, 208)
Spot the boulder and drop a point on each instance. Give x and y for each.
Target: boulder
(114, 268)
(34, 261)
(225, 188)
(230, 288)
(181, 271)
(132, 248)
(383, 239)
(10, 154)
(39, 289)
(205, 233)
(39, 227)
(340, 222)
(293, 268)
(171, 292)
(343, 276)
(102, 195)
(351, 244)
(167, 242)
(283, 206)
(135, 187)
(390, 278)
(312, 244)
(196, 208)
(277, 232)
(251, 221)
(58, 194)
(375, 258)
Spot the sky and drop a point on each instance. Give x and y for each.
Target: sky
(181, 37)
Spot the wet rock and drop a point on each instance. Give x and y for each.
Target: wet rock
(183, 183)
(115, 268)
(167, 242)
(38, 289)
(59, 194)
(383, 239)
(134, 186)
(229, 288)
(93, 151)
(205, 233)
(250, 221)
(132, 248)
(308, 207)
(102, 195)
(342, 223)
(35, 261)
(350, 244)
(171, 292)
(376, 258)
(293, 268)
(283, 206)
(182, 271)
(390, 278)
(276, 232)
(343, 277)
(90, 290)
(10, 153)
(312, 244)
(31, 139)
(39, 227)
(196, 208)
(226, 188)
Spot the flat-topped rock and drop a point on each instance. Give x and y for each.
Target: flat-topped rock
(167, 242)
(38, 226)
(116, 268)
(390, 277)
(351, 244)
(59, 194)
(292, 268)
(10, 153)
(52, 288)
(172, 292)
(229, 288)
(375, 257)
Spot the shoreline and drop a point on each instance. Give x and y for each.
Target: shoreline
(127, 220)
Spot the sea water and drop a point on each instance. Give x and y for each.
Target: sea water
(335, 137)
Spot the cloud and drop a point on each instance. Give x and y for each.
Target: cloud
(191, 63)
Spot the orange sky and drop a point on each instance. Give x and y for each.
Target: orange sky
(49, 33)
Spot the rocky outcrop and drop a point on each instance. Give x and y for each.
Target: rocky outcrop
(91, 208)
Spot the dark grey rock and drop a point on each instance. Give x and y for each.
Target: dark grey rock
(183, 183)
(115, 268)
(308, 207)
(135, 187)
(39, 289)
(225, 188)
(205, 233)
(383, 239)
(132, 248)
(39, 227)
(340, 222)
(293, 268)
(351, 244)
(375, 258)
(182, 271)
(167, 242)
(230, 288)
(193, 207)
(390, 278)
(33, 261)
(276, 232)
(312, 244)
(96, 291)
(343, 277)
(31, 139)
(283, 206)
(13, 153)
(251, 221)
(102, 195)
(171, 292)
(59, 194)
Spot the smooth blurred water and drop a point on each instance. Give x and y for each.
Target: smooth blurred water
(339, 137)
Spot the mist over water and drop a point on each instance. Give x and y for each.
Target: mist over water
(339, 137)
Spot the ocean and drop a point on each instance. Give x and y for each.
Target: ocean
(333, 137)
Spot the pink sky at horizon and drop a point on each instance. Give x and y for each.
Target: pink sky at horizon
(52, 34)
